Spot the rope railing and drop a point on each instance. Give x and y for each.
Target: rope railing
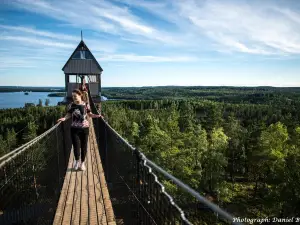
(11, 155)
(31, 178)
(138, 194)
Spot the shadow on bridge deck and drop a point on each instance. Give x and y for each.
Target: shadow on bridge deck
(84, 198)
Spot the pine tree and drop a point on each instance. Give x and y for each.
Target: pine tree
(11, 139)
(3, 146)
(30, 132)
(215, 160)
(47, 102)
(40, 103)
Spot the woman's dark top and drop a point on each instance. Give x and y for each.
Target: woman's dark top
(79, 115)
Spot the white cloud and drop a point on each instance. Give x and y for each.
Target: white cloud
(144, 58)
(101, 16)
(245, 27)
(15, 62)
(39, 33)
(124, 19)
(107, 17)
(40, 52)
(24, 35)
(196, 27)
(162, 9)
(181, 33)
(36, 41)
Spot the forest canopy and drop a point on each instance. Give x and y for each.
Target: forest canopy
(241, 146)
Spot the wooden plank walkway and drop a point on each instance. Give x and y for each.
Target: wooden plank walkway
(84, 198)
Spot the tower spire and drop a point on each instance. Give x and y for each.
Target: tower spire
(81, 36)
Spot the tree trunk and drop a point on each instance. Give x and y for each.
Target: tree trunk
(255, 188)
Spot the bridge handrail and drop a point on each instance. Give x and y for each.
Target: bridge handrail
(191, 191)
(188, 189)
(11, 155)
(185, 187)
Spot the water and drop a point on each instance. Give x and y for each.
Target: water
(18, 99)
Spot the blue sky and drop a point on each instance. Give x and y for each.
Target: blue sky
(150, 43)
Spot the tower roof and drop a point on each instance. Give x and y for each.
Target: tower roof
(82, 61)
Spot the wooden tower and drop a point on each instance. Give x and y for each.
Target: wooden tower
(81, 65)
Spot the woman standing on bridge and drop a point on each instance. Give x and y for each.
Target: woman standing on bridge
(83, 88)
(78, 110)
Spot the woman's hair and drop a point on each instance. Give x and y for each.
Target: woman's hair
(82, 94)
(77, 91)
(85, 96)
(82, 87)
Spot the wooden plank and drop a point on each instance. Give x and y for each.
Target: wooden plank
(84, 197)
(92, 203)
(107, 202)
(70, 197)
(63, 195)
(98, 191)
(77, 199)
(105, 194)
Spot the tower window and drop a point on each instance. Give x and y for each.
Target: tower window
(82, 54)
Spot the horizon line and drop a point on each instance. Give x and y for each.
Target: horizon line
(253, 86)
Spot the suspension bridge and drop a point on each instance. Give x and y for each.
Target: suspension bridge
(120, 185)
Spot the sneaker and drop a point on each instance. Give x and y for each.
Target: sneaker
(82, 166)
(76, 165)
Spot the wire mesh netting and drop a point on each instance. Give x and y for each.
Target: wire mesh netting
(31, 178)
(137, 191)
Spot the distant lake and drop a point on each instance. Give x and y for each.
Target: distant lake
(18, 99)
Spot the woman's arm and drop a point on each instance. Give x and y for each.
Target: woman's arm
(67, 116)
(89, 112)
(94, 115)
